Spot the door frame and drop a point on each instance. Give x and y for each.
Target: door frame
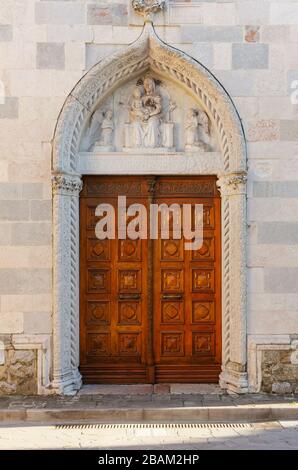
(148, 53)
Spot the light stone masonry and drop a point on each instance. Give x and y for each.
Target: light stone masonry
(46, 47)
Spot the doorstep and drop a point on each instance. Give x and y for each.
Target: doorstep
(175, 403)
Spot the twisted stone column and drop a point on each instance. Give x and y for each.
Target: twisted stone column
(66, 190)
(234, 317)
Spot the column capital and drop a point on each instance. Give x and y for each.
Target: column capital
(232, 184)
(68, 185)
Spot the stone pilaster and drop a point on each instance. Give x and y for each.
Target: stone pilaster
(234, 365)
(66, 190)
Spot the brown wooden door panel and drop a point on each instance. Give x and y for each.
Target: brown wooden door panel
(123, 338)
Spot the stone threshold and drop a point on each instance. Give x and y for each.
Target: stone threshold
(148, 389)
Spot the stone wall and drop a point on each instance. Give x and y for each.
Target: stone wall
(47, 46)
(279, 375)
(18, 373)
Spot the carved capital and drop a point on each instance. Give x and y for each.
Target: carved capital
(148, 7)
(68, 185)
(232, 184)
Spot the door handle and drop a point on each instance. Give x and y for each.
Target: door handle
(129, 296)
(172, 296)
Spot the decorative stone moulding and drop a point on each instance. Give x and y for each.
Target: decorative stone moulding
(148, 55)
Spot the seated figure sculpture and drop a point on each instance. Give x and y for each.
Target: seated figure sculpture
(147, 128)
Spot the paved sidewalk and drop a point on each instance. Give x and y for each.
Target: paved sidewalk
(147, 403)
(281, 435)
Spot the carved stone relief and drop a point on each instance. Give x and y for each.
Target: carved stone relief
(148, 115)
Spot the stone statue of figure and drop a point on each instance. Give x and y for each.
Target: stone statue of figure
(145, 115)
(138, 115)
(152, 101)
(194, 121)
(102, 124)
(107, 128)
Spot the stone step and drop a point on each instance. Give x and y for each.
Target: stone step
(142, 414)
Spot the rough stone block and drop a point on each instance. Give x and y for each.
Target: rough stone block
(281, 388)
(11, 322)
(262, 130)
(203, 52)
(278, 233)
(250, 56)
(275, 33)
(37, 323)
(32, 190)
(10, 108)
(190, 34)
(5, 234)
(69, 13)
(6, 32)
(237, 82)
(25, 281)
(186, 14)
(252, 34)
(115, 14)
(26, 303)
(31, 233)
(99, 14)
(10, 191)
(25, 257)
(284, 189)
(50, 56)
(253, 12)
(255, 277)
(95, 53)
(281, 280)
(41, 210)
(264, 209)
(222, 56)
(269, 83)
(289, 130)
(285, 12)
(14, 210)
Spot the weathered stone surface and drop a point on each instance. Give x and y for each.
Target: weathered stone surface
(282, 388)
(18, 375)
(252, 33)
(250, 56)
(6, 32)
(278, 374)
(281, 280)
(50, 56)
(10, 108)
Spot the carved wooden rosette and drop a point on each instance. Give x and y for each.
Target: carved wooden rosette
(66, 189)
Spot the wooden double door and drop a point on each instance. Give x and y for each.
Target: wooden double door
(150, 310)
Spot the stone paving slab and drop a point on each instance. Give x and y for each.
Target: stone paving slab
(270, 435)
(149, 406)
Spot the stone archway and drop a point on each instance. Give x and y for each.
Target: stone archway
(148, 53)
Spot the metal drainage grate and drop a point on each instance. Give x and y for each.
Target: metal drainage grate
(157, 426)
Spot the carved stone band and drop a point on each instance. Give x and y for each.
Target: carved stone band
(232, 184)
(67, 185)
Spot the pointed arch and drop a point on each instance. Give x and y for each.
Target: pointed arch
(147, 53)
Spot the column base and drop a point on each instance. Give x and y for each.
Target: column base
(67, 384)
(234, 381)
